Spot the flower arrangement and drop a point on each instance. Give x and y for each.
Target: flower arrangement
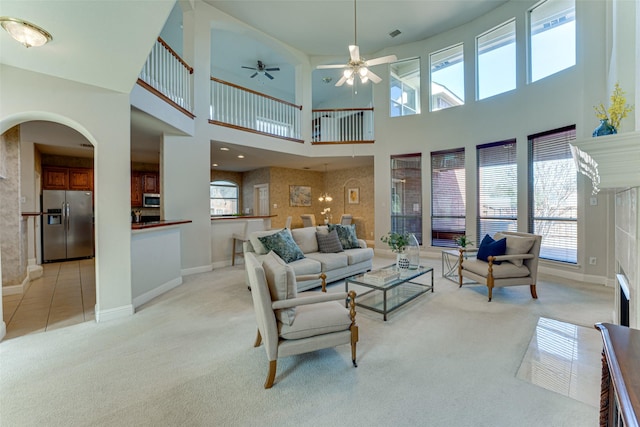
(396, 241)
(617, 110)
(326, 213)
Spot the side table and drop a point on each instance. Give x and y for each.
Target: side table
(450, 260)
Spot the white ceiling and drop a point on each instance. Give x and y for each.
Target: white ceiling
(105, 43)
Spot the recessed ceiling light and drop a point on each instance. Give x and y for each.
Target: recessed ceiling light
(224, 149)
(240, 156)
(214, 165)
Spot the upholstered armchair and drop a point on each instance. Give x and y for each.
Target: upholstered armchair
(512, 262)
(291, 323)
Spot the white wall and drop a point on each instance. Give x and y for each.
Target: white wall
(103, 117)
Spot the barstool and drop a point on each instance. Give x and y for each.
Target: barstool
(249, 227)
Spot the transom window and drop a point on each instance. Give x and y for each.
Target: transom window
(224, 198)
(447, 77)
(496, 52)
(405, 87)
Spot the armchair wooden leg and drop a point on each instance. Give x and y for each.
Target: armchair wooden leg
(460, 259)
(258, 340)
(354, 340)
(534, 294)
(324, 282)
(271, 376)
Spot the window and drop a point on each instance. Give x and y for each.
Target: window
(447, 77)
(224, 198)
(553, 194)
(406, 194)
(552, 37)
(405, 87)
(448, 196)
(496, 51)
(497, 188)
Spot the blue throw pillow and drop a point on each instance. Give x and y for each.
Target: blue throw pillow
(282, 244)
(489, 247)
(346, 234)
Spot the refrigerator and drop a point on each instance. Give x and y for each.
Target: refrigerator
(67, 225)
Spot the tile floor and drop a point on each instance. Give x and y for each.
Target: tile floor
(564, 358)
(63, 296)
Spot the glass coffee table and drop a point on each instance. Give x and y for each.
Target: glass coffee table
(384, 298)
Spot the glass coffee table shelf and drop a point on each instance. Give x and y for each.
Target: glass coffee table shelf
(385, 298)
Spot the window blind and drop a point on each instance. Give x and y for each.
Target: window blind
(553, 194)
(448, 197)
(406, 194)
(497, 188)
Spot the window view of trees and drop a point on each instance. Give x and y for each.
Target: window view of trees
(224, 198)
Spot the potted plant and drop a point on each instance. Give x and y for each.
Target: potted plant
(398, 242)
(463, 241)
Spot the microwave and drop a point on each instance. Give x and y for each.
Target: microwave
(151, 200)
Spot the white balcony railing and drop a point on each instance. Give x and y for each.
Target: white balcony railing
(166, 74)
(241, 108)
(343, 126)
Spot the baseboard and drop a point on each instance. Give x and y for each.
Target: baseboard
(20, 289)
(148, 296)
(113, 313)
(221, 264)
(196, 270)
(579, 277)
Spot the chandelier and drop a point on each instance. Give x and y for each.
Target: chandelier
(325, 197)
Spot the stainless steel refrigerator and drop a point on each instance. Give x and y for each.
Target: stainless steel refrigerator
(67, 225)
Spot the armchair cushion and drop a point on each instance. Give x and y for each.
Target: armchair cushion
(346, 234)
(329, 243)
(316, 319)
(516, 245)
(490, 247)
(481, 268)
(282, 285)
(282, 244)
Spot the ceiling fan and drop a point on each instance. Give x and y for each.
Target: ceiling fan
(262, 69)
(357, 65)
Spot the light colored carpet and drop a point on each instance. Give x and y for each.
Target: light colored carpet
(186, 358)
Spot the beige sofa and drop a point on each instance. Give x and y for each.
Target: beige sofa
(335, 266)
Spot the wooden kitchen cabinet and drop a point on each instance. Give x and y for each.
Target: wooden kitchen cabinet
(151, 182)
(136, 189)
(55, 178)
(80, 179)
(143, 182)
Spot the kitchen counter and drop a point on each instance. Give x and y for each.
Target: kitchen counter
(228, 217)
(155, 224)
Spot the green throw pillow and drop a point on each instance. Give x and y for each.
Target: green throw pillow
(346, 234)
(282, 244)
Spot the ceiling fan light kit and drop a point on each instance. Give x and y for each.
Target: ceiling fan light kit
(357, 64)
(260, 68)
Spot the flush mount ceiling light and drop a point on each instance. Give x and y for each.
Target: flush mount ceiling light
(24, 32)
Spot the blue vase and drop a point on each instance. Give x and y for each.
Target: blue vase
(604, 129)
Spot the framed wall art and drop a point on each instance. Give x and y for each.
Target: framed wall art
(299, 195)
(353, 195)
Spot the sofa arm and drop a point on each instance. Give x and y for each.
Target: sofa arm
(362, 243)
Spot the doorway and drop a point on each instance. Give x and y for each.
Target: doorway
(261, 199)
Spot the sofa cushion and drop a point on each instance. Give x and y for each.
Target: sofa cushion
(330, 261)
(516, 245)
(322, 229)
(306, 239)
(346, 234)
(282, 244)
(257, 245)
(315, 319)
(329, 243)
(306, 266)
(282, 284)
(356, 256)
(489, 247)
(501, 271)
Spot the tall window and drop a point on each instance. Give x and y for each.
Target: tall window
(405, 87)
(447, 77)
(448, 197)
(496, 52)
(552, 37)
(497, 188)
(406, 194)
(224, 198)
(553, 194)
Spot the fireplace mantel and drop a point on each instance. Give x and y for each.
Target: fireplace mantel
(616, 159)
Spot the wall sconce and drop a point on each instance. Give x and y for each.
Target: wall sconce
(24, 32)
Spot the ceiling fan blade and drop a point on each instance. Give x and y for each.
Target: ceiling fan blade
(254, 74)
(354, 52)
(272, 69)
(341, 81)
(268, 75)
(320, 67)
(382, 60)
(373, 77)
(249, 68)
